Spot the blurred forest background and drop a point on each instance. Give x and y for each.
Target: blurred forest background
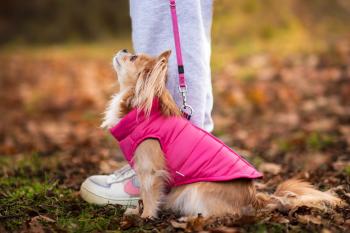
(281, 79)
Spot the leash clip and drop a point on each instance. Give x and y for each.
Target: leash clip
(186, 109)
(172, 4)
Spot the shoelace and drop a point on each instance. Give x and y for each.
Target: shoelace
(120, 175)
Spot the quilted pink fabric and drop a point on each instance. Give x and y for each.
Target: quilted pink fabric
(192, 154)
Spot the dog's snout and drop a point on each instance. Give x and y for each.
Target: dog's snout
(124, 50)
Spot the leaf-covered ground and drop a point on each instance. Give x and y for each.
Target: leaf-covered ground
(290, 117)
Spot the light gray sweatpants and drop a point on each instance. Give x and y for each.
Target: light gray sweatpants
(152, 33)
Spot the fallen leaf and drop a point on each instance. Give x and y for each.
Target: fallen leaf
(224, 229)
(178, 225)
(270, 168)
(195, 224)
(306, 219)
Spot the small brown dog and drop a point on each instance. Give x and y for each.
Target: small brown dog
(143, 78)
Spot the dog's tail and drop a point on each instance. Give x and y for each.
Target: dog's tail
(294, 193)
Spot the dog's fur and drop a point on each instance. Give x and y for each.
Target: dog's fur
(141, 79)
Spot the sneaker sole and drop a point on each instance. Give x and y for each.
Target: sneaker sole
(99, 200)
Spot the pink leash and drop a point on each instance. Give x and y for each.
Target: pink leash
(186, 109)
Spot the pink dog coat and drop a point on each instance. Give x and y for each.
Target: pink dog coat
(192, 154)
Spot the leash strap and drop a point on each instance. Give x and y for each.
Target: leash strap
(186, 109)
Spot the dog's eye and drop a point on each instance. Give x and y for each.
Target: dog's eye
(133, 58)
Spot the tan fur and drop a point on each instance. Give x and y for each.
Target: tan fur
(141, 81)
(213, 198)
(126, 103)
(294, 192)
(168, 106)
(151, 170)
(149, 84)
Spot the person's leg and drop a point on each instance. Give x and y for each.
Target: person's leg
(152, 33)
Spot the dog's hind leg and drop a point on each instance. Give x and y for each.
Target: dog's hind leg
(213, 198)
(150, 169)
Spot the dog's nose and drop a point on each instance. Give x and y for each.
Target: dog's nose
(124, 50)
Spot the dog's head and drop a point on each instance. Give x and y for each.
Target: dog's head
(144, 78)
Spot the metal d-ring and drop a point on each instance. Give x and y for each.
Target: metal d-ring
(187, 111)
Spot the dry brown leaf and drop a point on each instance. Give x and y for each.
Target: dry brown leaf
(178, 225)
(270, 168)
(340, 165)
(279, 219)
(321, 125)
(35, 226)
(224, 229)
(130, 221)
(326, 231)
(195, 224)
(306, 219)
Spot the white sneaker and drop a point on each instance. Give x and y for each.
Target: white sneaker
(121, 187)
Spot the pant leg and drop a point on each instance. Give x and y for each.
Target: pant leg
(152, 33)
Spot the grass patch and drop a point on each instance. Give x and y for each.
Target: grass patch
(32, 193)
(347, 170)
(316, 141)
(300, 141)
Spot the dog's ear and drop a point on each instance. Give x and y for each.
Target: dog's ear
(164, 55)
(151, 83)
